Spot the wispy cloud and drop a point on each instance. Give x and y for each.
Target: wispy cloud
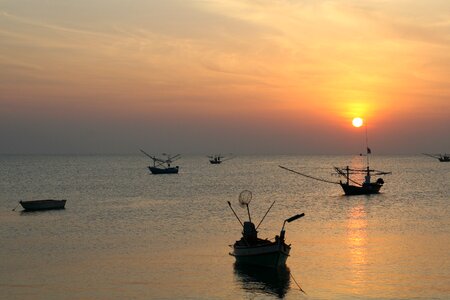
(319, 57)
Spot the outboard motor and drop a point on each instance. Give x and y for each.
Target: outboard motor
(380, 181)
(250, 234)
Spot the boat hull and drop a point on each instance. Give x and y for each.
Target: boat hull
(155, 170)
(272, 255)
(48, 204)
(350, 190)
(215, 162)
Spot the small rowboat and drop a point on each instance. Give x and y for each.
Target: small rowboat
(47, 204)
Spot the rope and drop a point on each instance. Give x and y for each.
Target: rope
(292, 276)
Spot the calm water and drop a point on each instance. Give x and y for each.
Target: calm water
(126, 234)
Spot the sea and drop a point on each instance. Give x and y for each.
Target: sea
(127, 234)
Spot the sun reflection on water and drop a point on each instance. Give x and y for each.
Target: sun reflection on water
(357, 244)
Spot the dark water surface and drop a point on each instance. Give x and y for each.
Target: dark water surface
(126, 234)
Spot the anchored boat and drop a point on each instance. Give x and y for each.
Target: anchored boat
(46, 204)
(356, 188)
(162, 166)
(350, 185)
(215, 159)
(251, 249)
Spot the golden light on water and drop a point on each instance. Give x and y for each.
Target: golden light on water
(357, 243)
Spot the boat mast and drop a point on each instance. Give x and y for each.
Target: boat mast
(248, 211)
(368, 151)
(367, 145)
(348, 174)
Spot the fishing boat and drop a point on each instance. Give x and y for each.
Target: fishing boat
(252, 250)
(46, 204)
(444, 158)
(163, 166)
(441, 157)
(217, 159)
(352, 186)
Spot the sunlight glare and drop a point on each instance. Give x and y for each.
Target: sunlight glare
(357, 122)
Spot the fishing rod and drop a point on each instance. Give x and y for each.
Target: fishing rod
(309, 176)
(265, 215)
(173, 158)
(431, 155)
(235, 214)
(152, 157)
(225, 159)
(340, 172)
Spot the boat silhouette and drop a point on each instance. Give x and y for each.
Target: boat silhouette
(163, 166)
(46, 204)
(350, 185)
(251, 249)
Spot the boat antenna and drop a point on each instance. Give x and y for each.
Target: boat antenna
(235, 214)
(244, 199)
(265, 215)
(367, 145)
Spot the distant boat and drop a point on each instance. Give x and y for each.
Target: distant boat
(47, 204)
(162, 166)
(350, 186)
(444, 158)
(251, 250)
(441, 157)
(217, 159)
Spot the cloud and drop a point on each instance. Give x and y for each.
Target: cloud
(222, 59)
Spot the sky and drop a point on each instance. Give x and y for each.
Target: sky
(221, 76)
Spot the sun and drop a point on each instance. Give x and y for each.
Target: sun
(357, 122)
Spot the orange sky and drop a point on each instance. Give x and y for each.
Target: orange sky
(226, 75)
